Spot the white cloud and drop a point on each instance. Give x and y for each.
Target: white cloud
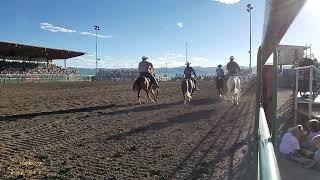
(180, 24)
(227, 1)
(92, 34)
(200, 59)
(52, 28)
(180, 56)
(172, 59)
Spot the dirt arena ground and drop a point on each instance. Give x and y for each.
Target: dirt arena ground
(93, 130)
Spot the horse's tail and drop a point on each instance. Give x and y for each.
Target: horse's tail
(189, 86)
(188, 94)
(135, 86)
(237, 86)
(185, 88)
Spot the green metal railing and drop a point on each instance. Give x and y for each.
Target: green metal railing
(268, 166)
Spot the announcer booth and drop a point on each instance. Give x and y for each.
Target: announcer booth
(27, 53)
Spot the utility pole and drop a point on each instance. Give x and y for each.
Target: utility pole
(186, 51)
(166, 69)
(96, 28)
(249, 9)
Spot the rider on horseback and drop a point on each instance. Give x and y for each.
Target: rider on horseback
(188, 71)
(146, 69)
(233, 67)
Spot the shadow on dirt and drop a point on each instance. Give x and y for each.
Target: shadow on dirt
(205, 165)
(203, 101)
(181, 119)
(75, 110)
(144, 108)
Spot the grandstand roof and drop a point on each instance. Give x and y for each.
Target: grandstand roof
(14, 51)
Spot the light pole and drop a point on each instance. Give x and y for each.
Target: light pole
(249, 9)
(186, 51)
(96, 28)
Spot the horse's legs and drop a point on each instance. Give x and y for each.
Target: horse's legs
(157, 94)
(237, 100)
(154, 96)
(184, 97)
(148, 94)
(139, 96)
(232, 99)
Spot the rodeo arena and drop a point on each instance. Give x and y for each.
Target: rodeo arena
(264, 124)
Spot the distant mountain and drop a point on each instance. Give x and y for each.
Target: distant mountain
(161, 71)
(179, 70)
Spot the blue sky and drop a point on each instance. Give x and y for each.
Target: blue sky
(130, 29)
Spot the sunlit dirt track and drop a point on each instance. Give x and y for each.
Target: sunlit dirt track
(98, 131)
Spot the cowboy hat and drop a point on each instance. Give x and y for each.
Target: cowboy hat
(231, 58)
(188, 63)
(144, 58)
(219, 65)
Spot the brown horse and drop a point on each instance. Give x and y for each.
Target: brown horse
(143, 83)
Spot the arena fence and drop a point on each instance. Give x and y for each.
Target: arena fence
(279, 15)
(266, 166)
(22, 78)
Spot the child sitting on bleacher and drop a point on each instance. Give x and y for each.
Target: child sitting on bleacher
(314, 130)
(290, 144)
(316, 157)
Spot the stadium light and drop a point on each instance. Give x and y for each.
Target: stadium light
(96, 28)
(249, 9)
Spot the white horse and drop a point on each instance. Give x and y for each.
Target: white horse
(233, 85)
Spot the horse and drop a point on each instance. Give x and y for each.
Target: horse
(233, 85)
(143, 83)
(188, 87)
(220, 87)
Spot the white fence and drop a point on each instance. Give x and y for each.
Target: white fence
(20, 78)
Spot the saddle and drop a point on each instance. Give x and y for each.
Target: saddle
(148, 79)
(150, 82)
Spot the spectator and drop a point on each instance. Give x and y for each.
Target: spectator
(316, 157)
(290, 141)
(29, 68)
(314, 130)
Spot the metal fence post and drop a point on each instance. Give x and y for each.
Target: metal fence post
(310, 91)
(296, 98)
(257, 112)
(274, 97)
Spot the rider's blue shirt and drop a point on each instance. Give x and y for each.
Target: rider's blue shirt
(220, 72)
(188, 71)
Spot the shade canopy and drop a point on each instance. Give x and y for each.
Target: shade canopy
(15, 51)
